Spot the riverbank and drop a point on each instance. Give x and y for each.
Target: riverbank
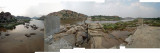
(12, 25)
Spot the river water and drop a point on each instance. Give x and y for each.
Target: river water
(17, 42)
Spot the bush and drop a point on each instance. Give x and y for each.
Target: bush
(119, 25)
(110, 26)
(152, 21)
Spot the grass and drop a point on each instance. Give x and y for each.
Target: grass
(119, 25)
(152, 22)
(26, 21)
(122, 25)
(11, 25)
(105, 18)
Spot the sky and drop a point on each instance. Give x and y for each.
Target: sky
(122, 8)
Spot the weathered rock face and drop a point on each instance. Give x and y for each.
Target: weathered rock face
(71, 31)
(66, 14)
(80, 38)
(68, 37)
(62, 41)
(60, 44)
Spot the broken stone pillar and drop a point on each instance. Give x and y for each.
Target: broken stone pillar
(52, 26)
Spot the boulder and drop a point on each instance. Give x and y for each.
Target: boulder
(79, 37)
(63, 30)
(94, 26)
(68, 26)
(58, 36)
(80, 28)
(71, 31)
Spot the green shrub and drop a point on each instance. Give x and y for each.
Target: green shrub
(119, 25)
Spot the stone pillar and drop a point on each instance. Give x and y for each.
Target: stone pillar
(52, 26)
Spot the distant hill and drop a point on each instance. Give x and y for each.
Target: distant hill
(105, 18)
(65, 14)
(128, 18)
(35, 17)
(22, 17)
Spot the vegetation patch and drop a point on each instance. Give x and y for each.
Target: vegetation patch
(120, 25)
(152, 21)
(9, 21)
(105, 18)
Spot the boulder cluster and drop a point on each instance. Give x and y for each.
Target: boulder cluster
(5, 17)
(77, 34)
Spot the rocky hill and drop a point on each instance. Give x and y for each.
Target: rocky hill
(22, 17)
(9, 21)
(65, 14)
(6, 17)
(41, 18)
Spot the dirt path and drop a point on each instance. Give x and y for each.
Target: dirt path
(145, 37)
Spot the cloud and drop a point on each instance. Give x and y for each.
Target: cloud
(123, 8)
(107, 8)
(0, 9)
(43, 9)
(145, 11)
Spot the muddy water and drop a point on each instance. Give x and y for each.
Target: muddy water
(17, 42)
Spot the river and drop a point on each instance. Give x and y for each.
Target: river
(17, 41)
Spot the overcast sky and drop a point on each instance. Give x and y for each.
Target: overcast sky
(123, 8)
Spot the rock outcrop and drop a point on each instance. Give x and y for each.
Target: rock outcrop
(66, 14)
(6, 17)
(70, 36)
(90, 35)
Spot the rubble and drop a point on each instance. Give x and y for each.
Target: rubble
(69, 36)
(86, 35)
